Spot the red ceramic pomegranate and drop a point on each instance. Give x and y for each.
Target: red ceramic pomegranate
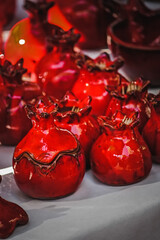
(74, 115)
(89, 18)
(129, 97)
(151, 131)
(11, 216)
(95, 74)
(48, 162)
(57, 71)
(14, 94)
(27, 38)
(120, 156)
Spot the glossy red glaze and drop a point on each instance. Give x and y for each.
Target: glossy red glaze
(94, 76)
(57, 71)
(11, 215)
(151, 131)
(14, 94)
(135, 37)
(27, 38)
(74, 115)
(120, 156)
(48, 162)
(131, 97)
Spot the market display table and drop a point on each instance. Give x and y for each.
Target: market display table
(94, 212)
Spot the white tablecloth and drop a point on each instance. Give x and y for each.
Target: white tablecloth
(95, 212)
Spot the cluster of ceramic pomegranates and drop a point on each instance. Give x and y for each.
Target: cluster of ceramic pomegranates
(78, 112)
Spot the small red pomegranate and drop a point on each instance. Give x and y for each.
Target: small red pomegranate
(11, 216)
(151, 131)
(27, 38)
(14, 94)
(57, 71)
(131, 97)
(48, 162)
(74, 115)
(94, 76)
(120, 156)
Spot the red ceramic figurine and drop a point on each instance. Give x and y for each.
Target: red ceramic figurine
(131, 97)
(94, 76)
(27, 38)
(151, 131)
(48, 162)
(120, 156)
(74, 115)
(11, 215)
(14, 94)
(57, 71)
(89, 18)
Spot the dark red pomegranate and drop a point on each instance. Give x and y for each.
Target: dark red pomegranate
(95, 74)
(11, 215)
(48, 162)
(120, 156)
(27, 38)
(131, 97)
(74, 115)
(151, 131)
(89, 18)
(14, 94)
(57, 71)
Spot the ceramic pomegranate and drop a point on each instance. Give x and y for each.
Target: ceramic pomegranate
(151, 131)
(11, 216)
(48, 162)
(120, 156)
(129, 97)
(27, 38)
(95, 74)
(57, 71)
(14, 94)
(74, 115)
(89, 18)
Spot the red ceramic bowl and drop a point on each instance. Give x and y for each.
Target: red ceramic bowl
(140, 60)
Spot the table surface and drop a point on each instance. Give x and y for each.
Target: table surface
(94, 212)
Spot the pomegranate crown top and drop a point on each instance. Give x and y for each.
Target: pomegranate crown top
(103, 63)
(68, 109)
(137, 88)
(12, 73)
(119, 121)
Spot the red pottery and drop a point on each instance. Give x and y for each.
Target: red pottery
(135, 36)
(57, 71)
(27, 38)
(95, 74)
(48, 162)
(131, 97)
(151, 131)
(11, 215)
(120, 156)
(89, 18)
(14, 94)
(74, 115)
